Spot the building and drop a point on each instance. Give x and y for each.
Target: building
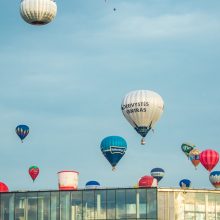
(115, 203)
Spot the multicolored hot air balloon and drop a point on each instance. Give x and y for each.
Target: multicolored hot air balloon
(194, 157)
(3, 187)
(142, 109)
(214, 178)
(113, 148)
(38, 12)
(92, 184)
(147, 181)
(33, 172)
(185, 183)
(22, 131)
(187, 147)
(209, 158)
(157, 173)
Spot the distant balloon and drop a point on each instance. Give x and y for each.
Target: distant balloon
(187, 147)
(22, 131)
(33, 172)
(147, 181)
(113, 148)
(38, 12)
(214, 178)
(142, 109)
(157, 173)
(185, 183)
(194, 157)
(209, 159)
(92, 184)
(3, 187)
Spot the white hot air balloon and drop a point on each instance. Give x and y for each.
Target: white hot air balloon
(142, 109)
(38, 12)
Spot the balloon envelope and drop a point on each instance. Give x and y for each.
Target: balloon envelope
(92, 184)
(185, 183)
(214, 178)
(209, 159)
(157, 173)
(194, 157)
(22, 131)
(113, 148)
(147, 181)
(142, 109)
(187, 147)
(3, 187)
(33, 172)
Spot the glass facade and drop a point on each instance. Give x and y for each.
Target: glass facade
(102, 204)
(178, 204)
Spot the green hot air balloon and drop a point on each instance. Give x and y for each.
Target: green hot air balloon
(187, 147)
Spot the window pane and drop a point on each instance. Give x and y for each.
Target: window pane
(76, 202)
(110, 204)
(88, 204)
(55, 206)
(44, 206)
(141, 204)
(31, 206)
(131, 203)
(7, 206)
(20, 204)
(120, 204)
(100, 204)
(65, 205)
(152, 203)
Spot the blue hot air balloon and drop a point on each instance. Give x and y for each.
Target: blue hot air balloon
(157, 173)
(185, 183)
(92, 184)
(22, 131)
(214, 178)
(113, 148)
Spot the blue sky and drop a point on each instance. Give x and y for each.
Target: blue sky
(66, 80)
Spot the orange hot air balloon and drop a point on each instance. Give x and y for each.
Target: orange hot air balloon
(194, 157)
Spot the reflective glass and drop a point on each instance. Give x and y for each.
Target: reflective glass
(20, 205)
(76, 205)
(43, 206)
(111, 204)
(88, 204)
(64, 205)
(7, 206)
(100, 204)
(31, 206)
(141, 204)
(120, 204)
(131, 208)
(152, 203)
(55, 205)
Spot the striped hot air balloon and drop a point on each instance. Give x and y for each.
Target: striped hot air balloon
(209, 158)
(157, 173)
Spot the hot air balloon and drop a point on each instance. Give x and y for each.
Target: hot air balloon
(209, 158)
(38, 12)
(214, 178)
(157, 173)
(147, 181)
(33, 172)
(185, 183)
(194, 157)
(187, 147)
(142, 109)
(113, 148)
(22, 131)
(92, 184)
(3, 187)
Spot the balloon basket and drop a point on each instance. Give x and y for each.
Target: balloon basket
(143, 142)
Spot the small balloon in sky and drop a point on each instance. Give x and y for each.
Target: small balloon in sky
(22, 131)
(187, 147)
(209, 159)
(157, 173)
(33, 172)
(185, 183)
(214, 178)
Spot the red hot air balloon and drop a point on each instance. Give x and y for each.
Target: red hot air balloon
(3, 187)
(209, 158)
(33, 172)
(147, 181)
